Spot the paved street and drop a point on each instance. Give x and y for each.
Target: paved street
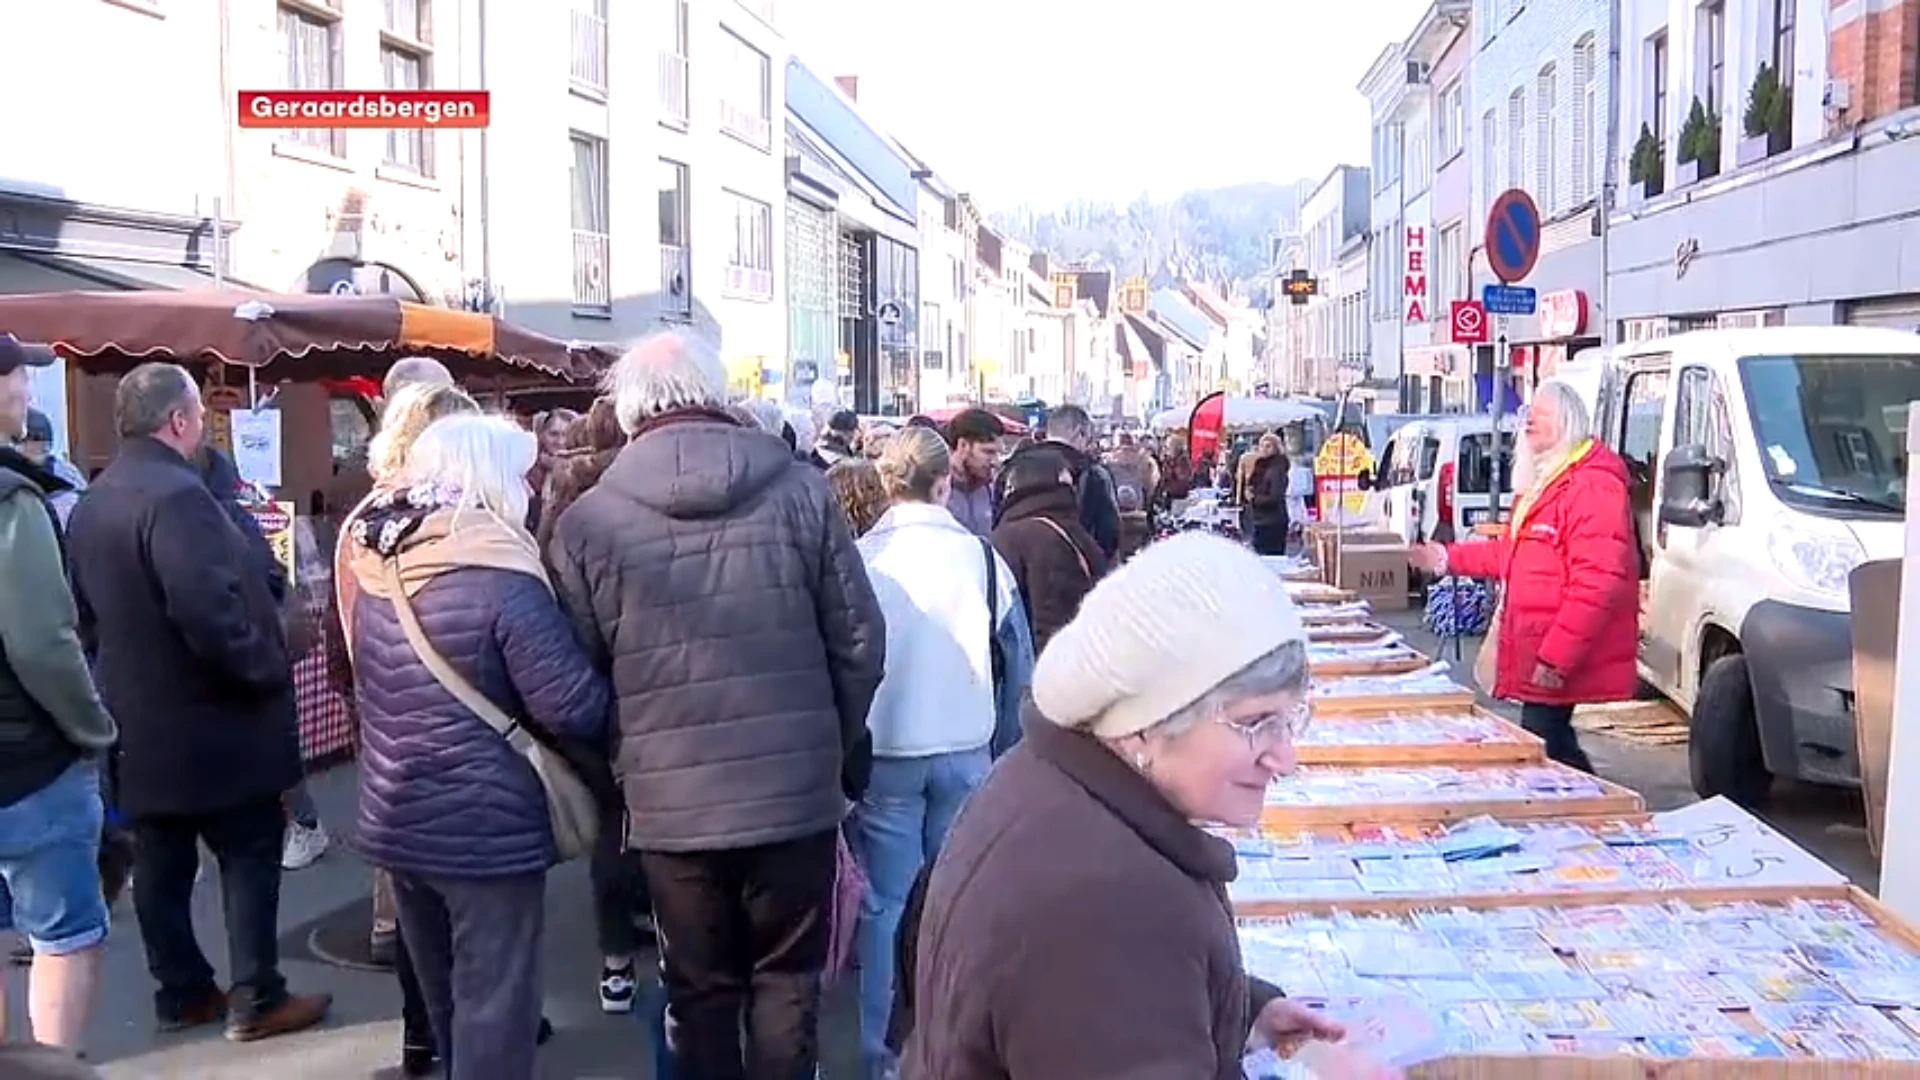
(362, 1038)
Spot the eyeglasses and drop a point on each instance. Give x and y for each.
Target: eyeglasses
(1263, 731)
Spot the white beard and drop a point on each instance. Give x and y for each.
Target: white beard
(1530, 468)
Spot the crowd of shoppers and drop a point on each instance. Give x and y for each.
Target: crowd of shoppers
(778, 667)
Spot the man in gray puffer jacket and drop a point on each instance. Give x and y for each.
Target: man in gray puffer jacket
(715, 579)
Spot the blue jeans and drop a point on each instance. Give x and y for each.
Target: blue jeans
(909, 805)
(49, 864)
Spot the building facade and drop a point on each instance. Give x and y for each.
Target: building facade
(1438, 371)
(1335, 214)
(1394, 89)
(1539, 94)
(1754, 231)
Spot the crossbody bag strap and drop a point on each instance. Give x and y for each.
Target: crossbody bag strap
(450, 680)
(1071, 546)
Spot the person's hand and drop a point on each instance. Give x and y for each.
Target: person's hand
(1287, 1022)
(1547, 678)
(1427, 558)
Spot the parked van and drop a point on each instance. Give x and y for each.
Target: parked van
(1434, 477)
(1766, 464)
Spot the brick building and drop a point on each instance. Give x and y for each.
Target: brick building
(1803, 214)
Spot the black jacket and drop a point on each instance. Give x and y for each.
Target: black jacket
(716, 581)
(1093, 490)
(1267, 491)
(192, 657)
(223, 479)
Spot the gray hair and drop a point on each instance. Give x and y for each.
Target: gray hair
(1069, 424)
(765, 413)
(415, 371)
(1282, 671)
(1576, 423)
(148, 396)
(666, 371)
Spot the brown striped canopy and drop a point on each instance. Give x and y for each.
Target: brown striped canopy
(293, 336)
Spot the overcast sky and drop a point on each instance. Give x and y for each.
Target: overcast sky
(1198, 93)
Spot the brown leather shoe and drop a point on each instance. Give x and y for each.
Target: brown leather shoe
(297, 1013)
(210, 1009)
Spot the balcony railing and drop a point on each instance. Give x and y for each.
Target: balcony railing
(592, 290)
(676, 282)
(590, 52)
(746, 125)
(673, 90)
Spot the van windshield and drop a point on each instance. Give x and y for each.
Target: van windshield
(1833, 429)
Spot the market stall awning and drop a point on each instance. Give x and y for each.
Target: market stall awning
(308, 336)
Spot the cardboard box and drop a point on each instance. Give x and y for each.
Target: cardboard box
(1325, 539)
(1377, 572)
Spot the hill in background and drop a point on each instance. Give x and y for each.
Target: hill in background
(1215, 234)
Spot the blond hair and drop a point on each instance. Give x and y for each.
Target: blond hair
(913, 462)
(410, 412)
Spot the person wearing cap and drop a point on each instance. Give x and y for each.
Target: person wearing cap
(37, 444)
(836, 440)
(1076, 922)
(53, 731)
(193, 662)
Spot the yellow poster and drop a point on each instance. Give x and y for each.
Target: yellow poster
(1335, 471)
(276, 524)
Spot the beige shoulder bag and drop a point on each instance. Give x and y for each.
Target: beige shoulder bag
(570, 804)
(1071, 546)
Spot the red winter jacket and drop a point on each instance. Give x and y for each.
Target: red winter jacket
(1573, 589)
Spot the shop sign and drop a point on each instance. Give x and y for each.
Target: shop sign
(1336, 471)
(1414, 282)
(276, 524)
(1563, 314)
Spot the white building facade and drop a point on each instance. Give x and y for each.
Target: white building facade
(1539, 93)
(1334, 215)
(1763, 234)
(1394, 111)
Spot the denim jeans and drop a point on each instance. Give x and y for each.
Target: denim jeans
(49, 869)
(900, 825)
(474, 944)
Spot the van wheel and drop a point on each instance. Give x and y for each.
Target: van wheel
(1723, 746)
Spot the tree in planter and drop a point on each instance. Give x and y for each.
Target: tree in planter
(1762, 98)
(1780, 122)
(1700, 140)
(1647, 165)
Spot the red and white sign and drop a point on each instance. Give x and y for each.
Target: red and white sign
(1563, 314)
(1468, 320)
(1415, 278)
(364, 108)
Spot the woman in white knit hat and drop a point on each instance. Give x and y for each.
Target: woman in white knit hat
(1077, 922)
(950, 606)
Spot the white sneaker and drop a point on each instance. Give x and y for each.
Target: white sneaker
(617, 988)
(304, 846)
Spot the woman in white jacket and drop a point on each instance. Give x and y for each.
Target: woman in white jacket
(958, 656)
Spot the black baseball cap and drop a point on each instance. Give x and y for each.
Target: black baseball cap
(39, 427)
(15, 354)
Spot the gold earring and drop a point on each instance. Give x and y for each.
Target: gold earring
(1140, 761)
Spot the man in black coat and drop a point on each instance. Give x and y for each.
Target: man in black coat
(1070, 434)
(193, 664)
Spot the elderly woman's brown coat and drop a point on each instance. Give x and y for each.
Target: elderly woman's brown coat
(1077, 926)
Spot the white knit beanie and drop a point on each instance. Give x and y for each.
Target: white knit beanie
(1157, 634)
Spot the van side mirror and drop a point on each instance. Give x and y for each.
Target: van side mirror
(1687, 498)
(1364, 480)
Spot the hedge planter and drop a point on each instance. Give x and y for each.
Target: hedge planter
(1752, 148)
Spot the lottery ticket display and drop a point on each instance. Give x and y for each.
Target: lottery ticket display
(1427, 681)
(1327, 785)
(1483, 857)
(1413, 728)
(1800, 979)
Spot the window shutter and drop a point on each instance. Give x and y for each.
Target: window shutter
(1545, 160)
(1517, 139)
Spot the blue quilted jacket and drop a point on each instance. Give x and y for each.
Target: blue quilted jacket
(440, 791)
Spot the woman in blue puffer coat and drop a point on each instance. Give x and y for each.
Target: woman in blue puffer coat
(447, 806)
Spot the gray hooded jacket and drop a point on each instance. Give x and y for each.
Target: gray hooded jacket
(716, 580)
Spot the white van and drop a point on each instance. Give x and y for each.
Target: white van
(1434, 477)
(1766, 465)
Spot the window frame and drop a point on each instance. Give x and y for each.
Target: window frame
(737, 117)
(750, 216)
(1546, 136)
(327, 15)
(1659, 72)
(599, 205)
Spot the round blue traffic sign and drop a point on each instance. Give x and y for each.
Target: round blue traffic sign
(1513, 236)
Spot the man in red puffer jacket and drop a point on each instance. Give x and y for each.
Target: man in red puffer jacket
(1568, 627)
